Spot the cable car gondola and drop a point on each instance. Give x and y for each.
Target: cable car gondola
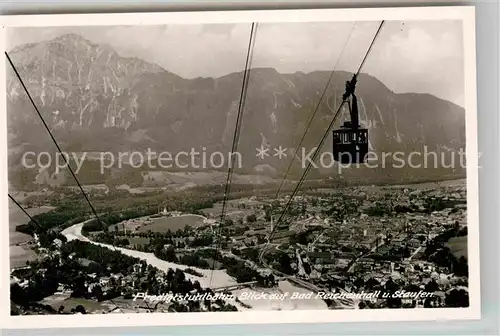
(350, 142)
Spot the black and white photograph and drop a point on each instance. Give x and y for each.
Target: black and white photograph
(240, 167)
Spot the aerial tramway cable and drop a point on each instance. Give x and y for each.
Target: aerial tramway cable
(314, 112)
(318, 148)
(60, 152)
(39, 226)
(23, 210)
(51, 136)
(370, 47)
(236, 137)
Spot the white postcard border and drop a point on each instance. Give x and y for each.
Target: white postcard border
(464, 13)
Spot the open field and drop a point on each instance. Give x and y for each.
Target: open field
(426, 185)
(20, 196)
(91, 306)
(163, 224)
(458, 246)
(17, 217)
(179, 181)
(217, 178)
(19, 255)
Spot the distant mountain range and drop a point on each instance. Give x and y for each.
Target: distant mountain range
(95, 100)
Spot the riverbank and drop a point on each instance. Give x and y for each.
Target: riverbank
(219, 279)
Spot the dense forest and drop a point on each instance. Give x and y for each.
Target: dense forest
(117, 206)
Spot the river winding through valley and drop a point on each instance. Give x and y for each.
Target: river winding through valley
(220, 278)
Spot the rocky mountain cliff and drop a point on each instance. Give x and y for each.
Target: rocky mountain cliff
(95, 100)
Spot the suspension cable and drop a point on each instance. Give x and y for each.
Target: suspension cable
(315, 111)
(52, 137)
(38, 224)
(236, 137)
(60, 152)
(370, 47)
(24, 210)
(54, 140)
(318, 148)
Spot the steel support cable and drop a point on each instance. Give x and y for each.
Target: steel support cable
(24, 210)
(318, 148)
(315, 111)
(59, 150)
(370, 47)
(51, 136)
(38, 224)
(236, 136)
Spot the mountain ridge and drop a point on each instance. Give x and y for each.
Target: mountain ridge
(95, 99)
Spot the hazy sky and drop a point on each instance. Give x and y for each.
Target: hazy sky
(409, 56)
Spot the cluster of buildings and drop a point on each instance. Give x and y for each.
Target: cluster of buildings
(357, 244)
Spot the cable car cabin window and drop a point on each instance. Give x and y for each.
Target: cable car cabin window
(350, 146)
(350, 136)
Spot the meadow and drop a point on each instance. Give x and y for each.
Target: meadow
(458, 246)
(21, 254)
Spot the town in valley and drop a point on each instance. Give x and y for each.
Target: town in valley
(336, 240)
(96, 229)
